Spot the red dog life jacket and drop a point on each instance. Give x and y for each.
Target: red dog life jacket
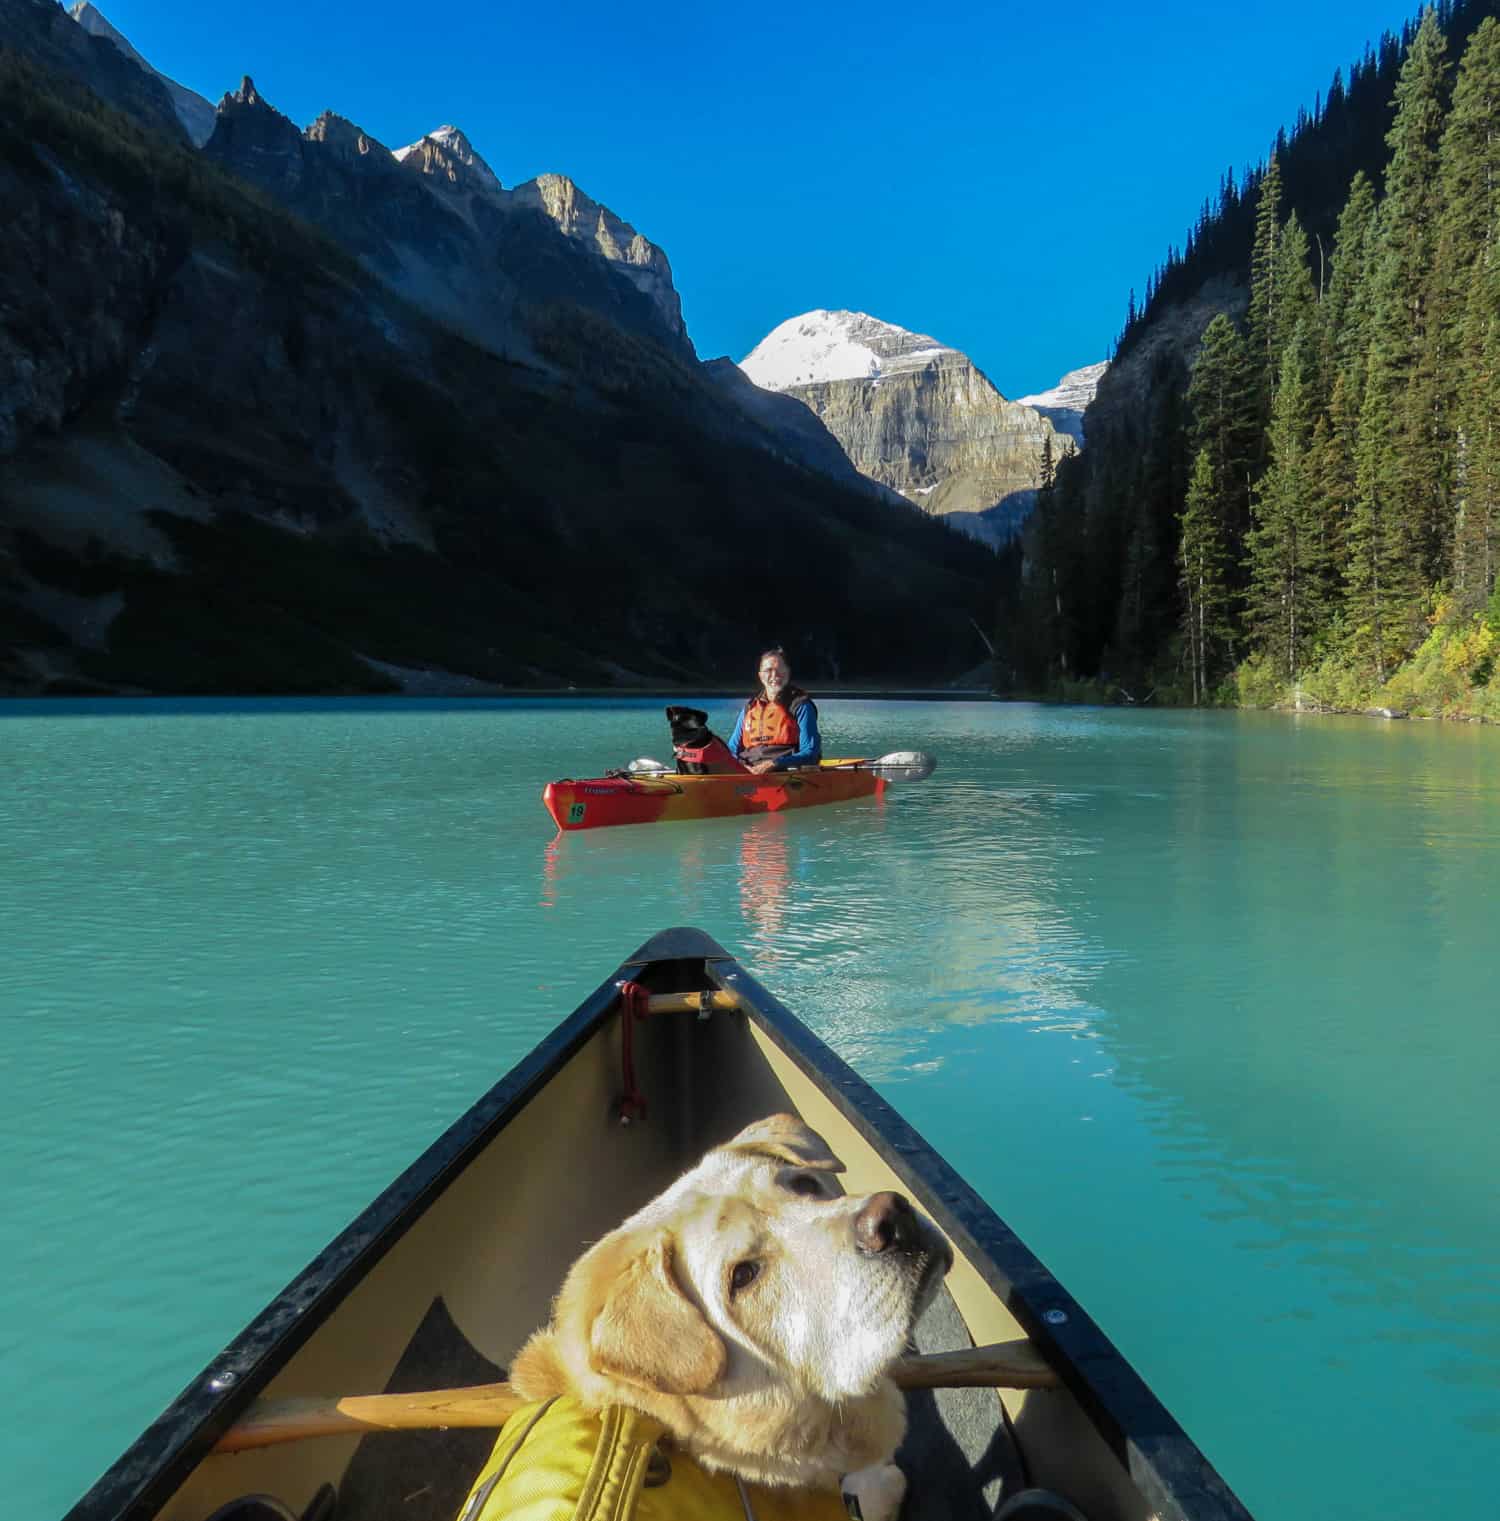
(715, 757)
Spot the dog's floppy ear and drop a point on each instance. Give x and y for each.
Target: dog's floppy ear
(787, 1139)
(648, 1332)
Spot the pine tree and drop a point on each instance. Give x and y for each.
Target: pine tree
(1346, 320)
(1465, 310)
(1012, 658)
(1297, 300)
(1285, 599)
(1200, 562)
(1128, 640)
(1413, 479)
(1335, 488)
(1469, 176)
(1476, 532)
(1221, 397)
(1383, 586)
(1261, 320)
(1147, 585)
(1046, 475)
(1045, 636)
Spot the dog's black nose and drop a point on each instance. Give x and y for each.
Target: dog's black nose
(886, 1221)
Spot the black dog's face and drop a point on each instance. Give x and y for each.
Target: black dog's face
(689, 725)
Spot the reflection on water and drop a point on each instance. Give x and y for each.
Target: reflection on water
(765, 880)
(1201, 1002)
(551, 869)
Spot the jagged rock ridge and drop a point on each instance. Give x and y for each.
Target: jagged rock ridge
(449, 153)
(422, 255)
(596, 226)
(433, 222)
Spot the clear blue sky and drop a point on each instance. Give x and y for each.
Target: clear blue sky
(969, 171)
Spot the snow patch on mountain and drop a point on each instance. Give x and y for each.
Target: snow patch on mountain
(823, 346)
(1067, 401)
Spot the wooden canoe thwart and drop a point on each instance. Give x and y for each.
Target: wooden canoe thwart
(392, 1346)
(1017, 1365)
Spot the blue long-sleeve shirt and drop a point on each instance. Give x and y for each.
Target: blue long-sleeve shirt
(809, 749)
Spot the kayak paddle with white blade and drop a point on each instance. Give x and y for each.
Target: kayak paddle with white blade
(898, 766)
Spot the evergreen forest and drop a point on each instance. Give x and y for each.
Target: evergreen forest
(1290, 493)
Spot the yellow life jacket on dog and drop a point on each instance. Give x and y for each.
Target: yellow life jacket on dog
(556, 1461)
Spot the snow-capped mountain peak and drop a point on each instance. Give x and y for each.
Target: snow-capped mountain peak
(821, 346)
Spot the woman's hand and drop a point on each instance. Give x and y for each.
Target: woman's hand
(761, 767)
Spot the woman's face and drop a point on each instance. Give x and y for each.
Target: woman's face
(774, 674)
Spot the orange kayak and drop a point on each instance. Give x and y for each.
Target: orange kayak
(657, 798)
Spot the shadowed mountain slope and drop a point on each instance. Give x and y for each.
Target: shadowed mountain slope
(233, 459)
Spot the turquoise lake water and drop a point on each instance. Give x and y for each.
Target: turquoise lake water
(1203, 1004)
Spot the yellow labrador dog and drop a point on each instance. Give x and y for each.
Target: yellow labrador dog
(754, 1310)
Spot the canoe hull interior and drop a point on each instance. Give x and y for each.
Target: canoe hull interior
(601, 802)
(446, 1274)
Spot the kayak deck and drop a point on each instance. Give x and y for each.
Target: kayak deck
(663, 797)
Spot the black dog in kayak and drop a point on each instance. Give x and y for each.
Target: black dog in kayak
(699, 751)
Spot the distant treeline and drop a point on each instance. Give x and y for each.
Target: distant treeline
(1309, 504)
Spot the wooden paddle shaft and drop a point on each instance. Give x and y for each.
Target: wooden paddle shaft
(1008, 1365)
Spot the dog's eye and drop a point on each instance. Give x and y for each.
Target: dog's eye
(744, 1274)
(805, 1183)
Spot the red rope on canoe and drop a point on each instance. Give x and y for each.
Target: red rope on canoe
(635, 1000)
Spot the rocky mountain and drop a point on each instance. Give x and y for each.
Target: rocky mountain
(441, 229)
(1064, 405)
(245, 446)
(433, 221)
(449, 154)
(193, 111)
(913, 414)
(596, 226)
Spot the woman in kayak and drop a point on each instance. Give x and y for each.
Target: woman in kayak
(778, 727)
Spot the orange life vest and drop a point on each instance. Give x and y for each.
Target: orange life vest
(771, 726)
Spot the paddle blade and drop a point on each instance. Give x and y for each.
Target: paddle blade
(904, 766)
